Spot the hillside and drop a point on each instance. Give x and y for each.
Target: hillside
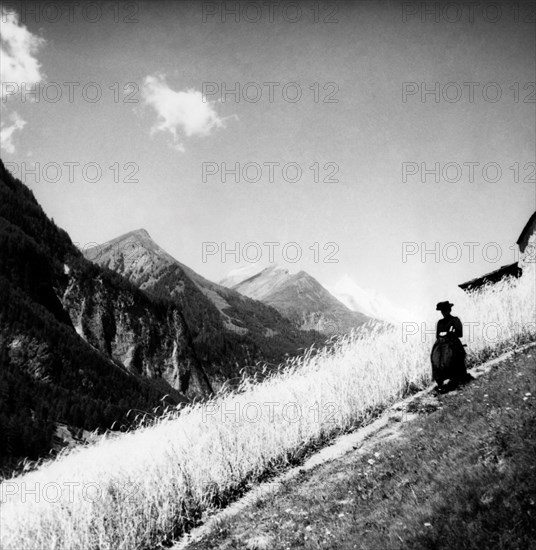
(454, 472)
(229, 331)
(300, 298)
(159, 481)
(78, 344)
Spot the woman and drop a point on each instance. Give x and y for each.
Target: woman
(448, 353)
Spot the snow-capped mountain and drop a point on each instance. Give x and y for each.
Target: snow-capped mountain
(369, 302)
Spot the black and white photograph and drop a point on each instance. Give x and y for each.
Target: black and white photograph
(267, 275)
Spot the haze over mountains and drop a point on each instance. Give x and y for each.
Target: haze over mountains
(368, 302)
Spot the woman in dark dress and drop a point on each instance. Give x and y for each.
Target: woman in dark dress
(448, 353)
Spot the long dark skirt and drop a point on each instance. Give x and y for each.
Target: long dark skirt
(448, 360)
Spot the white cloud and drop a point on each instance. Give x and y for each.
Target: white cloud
(182, 112)
(17, 48)
(7, 131)
(18, 66)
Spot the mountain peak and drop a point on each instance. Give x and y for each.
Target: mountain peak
(132, 245)
(247, 271)
(302, 299)
(273, 268)
(139, 237)
(139, 233)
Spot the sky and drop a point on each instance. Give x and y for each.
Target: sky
(375, 141)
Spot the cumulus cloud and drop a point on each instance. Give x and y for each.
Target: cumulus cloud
(18, 45)
(18, 66)
(182, 112)
(7, 131)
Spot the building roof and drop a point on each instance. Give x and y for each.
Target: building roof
(505, 270)
(525, 234)
(492, 277)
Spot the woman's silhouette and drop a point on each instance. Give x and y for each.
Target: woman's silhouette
(448, 353)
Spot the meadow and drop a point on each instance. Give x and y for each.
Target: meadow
(138, 489)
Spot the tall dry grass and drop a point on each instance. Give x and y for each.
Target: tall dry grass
(139, 488)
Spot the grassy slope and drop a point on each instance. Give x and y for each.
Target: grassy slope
(461, 477)
(192, 463)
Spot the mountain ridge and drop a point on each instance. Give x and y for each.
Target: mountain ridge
(229, 330)
(300, 298)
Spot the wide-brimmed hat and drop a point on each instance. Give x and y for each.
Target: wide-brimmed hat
(443, 305)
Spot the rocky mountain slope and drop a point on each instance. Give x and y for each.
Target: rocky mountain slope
(230, 331)
(300, 298)
(78, 343)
